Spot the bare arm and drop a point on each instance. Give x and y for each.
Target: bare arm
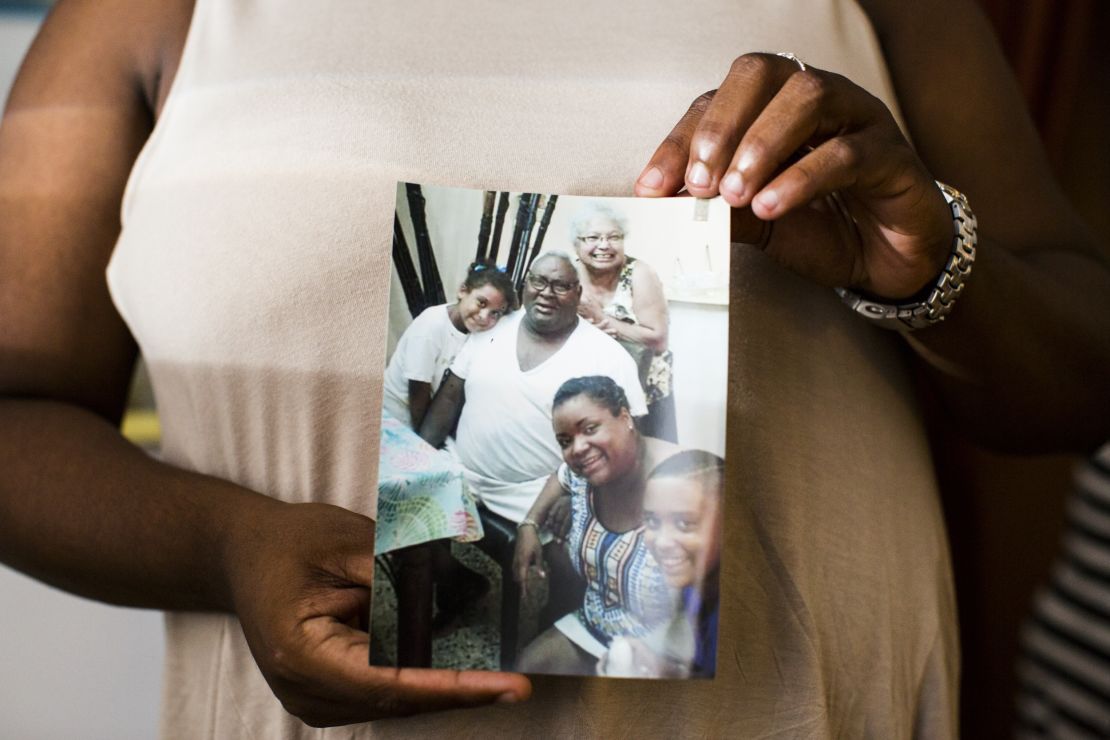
(551, 493)
(650, 307)
(80, 507)
(443, 413)
(1023, 358)
(529, 552)
(420, 397)
(76, 119)
(1021, 361)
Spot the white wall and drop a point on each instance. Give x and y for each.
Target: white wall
(73, 668)
(698, 337)
(69, 667)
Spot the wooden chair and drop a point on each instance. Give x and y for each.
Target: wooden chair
(500, 544)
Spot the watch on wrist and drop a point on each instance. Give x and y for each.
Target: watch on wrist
(936, 301)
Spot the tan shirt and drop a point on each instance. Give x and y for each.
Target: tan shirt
(252, 268)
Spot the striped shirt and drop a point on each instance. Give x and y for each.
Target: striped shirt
(1064, 668)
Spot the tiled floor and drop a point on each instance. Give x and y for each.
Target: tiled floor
(474, 641)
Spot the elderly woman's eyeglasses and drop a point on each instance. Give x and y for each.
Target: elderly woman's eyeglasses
(594, 239)
(558, 287)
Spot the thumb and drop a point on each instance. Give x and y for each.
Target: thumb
(358, 567)
(354, 561)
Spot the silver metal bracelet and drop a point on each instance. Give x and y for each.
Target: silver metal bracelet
(941, 296)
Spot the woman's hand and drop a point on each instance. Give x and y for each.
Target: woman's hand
(300, 577)
(528, 558)
(783, 141)
(609, 325)
(591, 309)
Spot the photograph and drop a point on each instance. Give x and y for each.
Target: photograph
(553, 434)
(753, 355)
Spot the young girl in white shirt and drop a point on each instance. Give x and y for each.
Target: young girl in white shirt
(432, 340)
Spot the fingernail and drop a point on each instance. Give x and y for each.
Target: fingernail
(768, 199)
(509, 697)
(652, 178)
(699, 175)
(733, 183)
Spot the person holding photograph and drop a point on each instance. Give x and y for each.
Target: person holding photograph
(682, 522)
(500, 387)
(432, 340)
(605, 465)
(623, 297)
(214, 183)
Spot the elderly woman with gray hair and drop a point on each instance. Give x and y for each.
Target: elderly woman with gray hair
(623, 297)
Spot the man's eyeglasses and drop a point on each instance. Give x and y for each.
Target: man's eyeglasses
(594, 239)
(558, 287)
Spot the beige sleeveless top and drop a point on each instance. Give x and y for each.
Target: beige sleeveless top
(252, 270)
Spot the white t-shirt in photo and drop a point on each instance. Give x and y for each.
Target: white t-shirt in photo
(505, 441)
(423, 353)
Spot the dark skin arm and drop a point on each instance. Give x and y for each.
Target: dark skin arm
(420, 397)
(80, 507)
(1021, 361)
(1026, 362)
(444, 411)
(529, 552)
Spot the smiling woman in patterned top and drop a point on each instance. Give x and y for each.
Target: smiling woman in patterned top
(623, 297)
(606, 462)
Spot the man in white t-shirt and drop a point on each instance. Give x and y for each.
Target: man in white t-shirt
(501, 385)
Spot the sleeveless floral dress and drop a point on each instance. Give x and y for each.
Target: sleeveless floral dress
(656, 369)
(626, 593)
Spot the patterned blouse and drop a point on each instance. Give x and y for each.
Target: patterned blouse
(626, 593)
(656, 369)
